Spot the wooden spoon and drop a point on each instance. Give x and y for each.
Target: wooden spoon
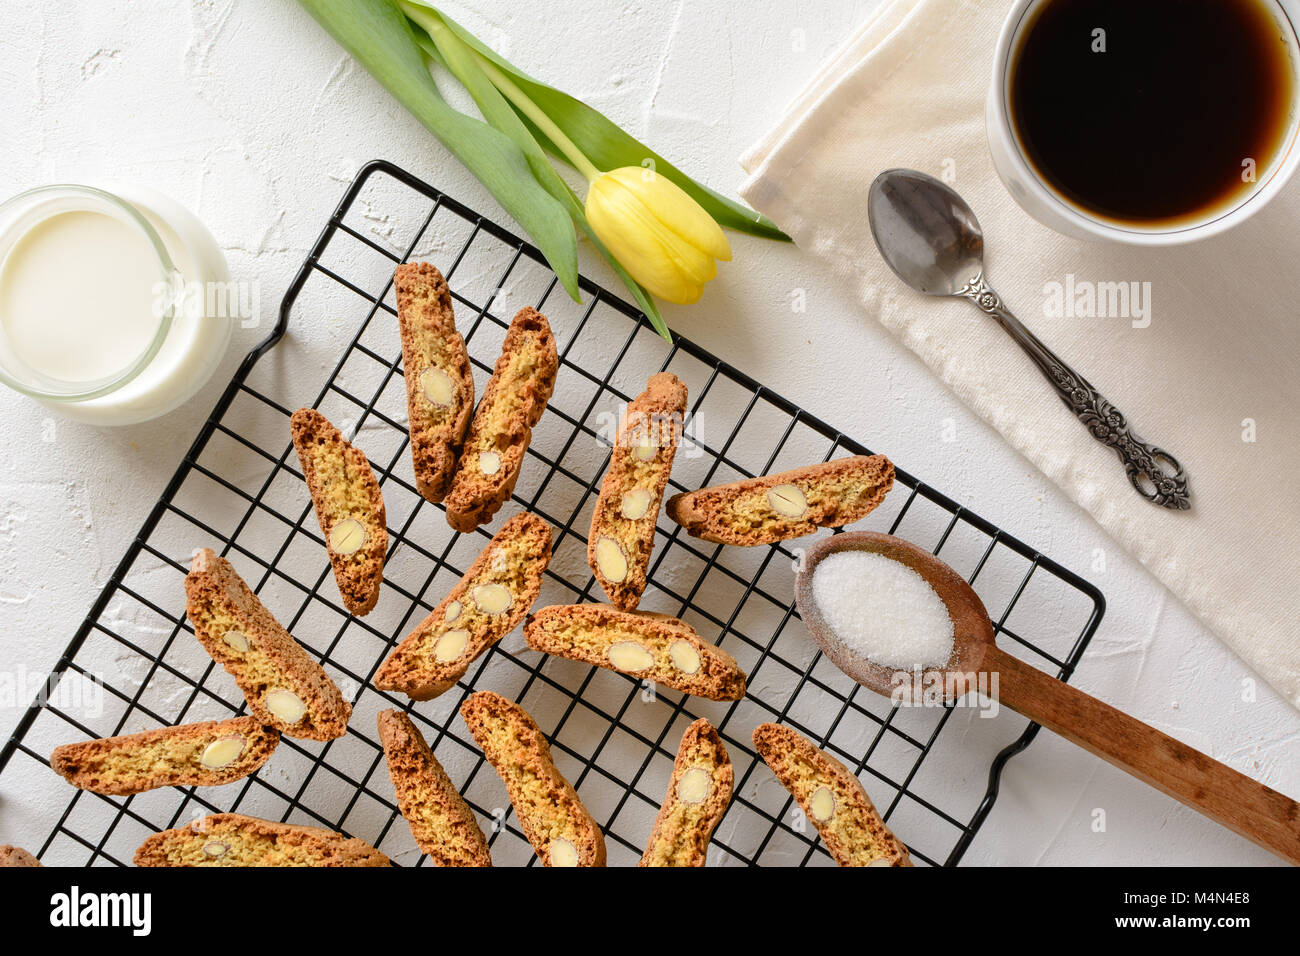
(1239, 803)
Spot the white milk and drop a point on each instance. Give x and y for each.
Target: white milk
(77, 294)
(82, 289)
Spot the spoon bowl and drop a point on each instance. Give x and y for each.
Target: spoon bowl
(1245, 806)
(972, 629)
(926, 232)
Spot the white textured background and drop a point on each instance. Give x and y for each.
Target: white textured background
(249, 114)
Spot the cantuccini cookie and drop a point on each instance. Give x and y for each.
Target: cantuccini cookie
(285, 688)
(654, 647)
(349, 507)
(698, 795)
(232, 839)
(789, 505)
(831, 797)
(552, 817)
(513, 402)
(207, 754)
(441, 821)
(16, 856)
(623, 524)
(439, 380)
(484, 606)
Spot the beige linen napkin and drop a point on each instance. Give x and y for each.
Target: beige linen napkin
(1212, 373)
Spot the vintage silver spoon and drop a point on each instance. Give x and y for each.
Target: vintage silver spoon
(933, 242)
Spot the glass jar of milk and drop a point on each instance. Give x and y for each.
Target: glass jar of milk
(106, 306)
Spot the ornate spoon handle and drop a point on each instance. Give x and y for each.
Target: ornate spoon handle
(1154, 472)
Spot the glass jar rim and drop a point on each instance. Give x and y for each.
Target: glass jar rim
(103, 202)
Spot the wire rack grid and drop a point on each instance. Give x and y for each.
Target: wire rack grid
(134, 664)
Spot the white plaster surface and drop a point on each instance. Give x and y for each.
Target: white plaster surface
(249, 114)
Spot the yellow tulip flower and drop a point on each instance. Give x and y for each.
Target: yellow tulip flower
(658, 233)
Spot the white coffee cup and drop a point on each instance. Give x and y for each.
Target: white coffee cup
(1045, 204)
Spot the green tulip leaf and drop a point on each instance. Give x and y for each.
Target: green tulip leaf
(381, 39)
(445, 47)
(608, 146)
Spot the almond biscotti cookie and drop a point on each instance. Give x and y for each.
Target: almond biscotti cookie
(789, 505)
(16, 856)
(552, 817)
(439, 380)
(484, 606)
(441, 821)
(513, 402)
(698, 795)
(349, 507)
(192, 755)
(283, 685)
(831, 797)
(653, 647)
(232, 839)
(622, 533)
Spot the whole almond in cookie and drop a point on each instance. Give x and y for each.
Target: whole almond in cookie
(622, 533)
(831, 797)
(439, 379)
(234, 840)
(698, 795)
(513, 402)
(283, 685)
(207, 754)
(349, 507)
(789, 505)
(484, 606)
(552, 817)
(652, 647)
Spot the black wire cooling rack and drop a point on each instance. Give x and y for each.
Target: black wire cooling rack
(135, 664)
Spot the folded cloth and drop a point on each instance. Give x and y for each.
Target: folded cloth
(1205, 361)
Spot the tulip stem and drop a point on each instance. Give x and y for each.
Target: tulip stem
(520, 99)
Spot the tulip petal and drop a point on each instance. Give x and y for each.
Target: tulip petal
(381, 39)
(673, 207)
(651, 252)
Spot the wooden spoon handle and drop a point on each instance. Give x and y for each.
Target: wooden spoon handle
(1241, 804)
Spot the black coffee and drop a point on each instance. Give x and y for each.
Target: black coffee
(1149, 110)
